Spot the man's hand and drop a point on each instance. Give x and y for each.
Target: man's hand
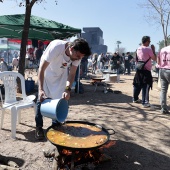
(42, 95)
(66, 95)
(153, 48)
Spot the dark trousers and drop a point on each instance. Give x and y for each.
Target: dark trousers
(127, 66)
(38, 116)
(145, 92)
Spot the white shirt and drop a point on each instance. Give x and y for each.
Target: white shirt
(56, 73)
(99, 57)
(3, 66)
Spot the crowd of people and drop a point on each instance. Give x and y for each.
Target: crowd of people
(143, 79)
(32, 58)
(124, 63)
(55, 81)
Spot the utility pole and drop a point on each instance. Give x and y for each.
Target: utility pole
(118, 42)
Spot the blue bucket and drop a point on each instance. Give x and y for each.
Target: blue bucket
(56, 109)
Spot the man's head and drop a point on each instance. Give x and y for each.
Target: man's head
(115, 54)
(146, 40)
(1, 60)
(40, 44)
(78, 49)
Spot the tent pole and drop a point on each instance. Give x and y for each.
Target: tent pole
(7, 50)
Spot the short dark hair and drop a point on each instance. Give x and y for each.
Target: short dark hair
(145, 39)
(40, 43)
(82, 46)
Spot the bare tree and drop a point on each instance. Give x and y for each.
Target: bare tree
(158, 12)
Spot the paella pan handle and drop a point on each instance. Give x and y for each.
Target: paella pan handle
(113, 132)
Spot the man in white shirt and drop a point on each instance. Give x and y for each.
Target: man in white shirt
(54, 80)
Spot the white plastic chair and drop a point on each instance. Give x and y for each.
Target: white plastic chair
(10, 102)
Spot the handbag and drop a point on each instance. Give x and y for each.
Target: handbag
(140, 64)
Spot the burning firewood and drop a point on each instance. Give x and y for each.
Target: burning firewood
(105, 158)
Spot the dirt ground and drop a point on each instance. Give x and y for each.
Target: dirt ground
(142, 138)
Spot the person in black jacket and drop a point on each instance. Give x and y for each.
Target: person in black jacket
(127, 61)
(115, 62)
(143, 78)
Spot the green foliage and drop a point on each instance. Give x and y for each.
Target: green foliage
(161, 43)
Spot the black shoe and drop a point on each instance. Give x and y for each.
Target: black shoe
(137, 101)
(164, 111)
(39, 133)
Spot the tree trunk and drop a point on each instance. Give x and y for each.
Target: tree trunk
(24, 41)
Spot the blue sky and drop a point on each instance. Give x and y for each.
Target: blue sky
(120, 20)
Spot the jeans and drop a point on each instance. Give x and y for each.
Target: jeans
(84, 68)
(117, 71)
(38, 117)
(165, 81)
(145, 93)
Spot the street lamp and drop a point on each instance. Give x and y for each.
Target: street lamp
(118, 42)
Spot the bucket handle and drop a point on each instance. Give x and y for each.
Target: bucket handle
(46, 98)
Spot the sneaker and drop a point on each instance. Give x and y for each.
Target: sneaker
(164, 111)
(137, 101)
(39, 133)
(146, 105)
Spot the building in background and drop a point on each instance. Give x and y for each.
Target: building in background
(94, 36)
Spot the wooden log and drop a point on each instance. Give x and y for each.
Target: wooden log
(55, 160)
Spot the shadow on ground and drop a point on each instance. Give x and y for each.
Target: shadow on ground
(130, 156)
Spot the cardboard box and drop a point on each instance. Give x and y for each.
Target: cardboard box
(113, 78)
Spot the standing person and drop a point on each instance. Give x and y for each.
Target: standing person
(3, 65)
(53, 78)
(143, 78)
(164, 69)
(127, 60)
(102, 61)
(15, 63)
(94, 63)
(115, 65)
(123, 58)
(98, 61)
(84, 63)
(39, 52)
